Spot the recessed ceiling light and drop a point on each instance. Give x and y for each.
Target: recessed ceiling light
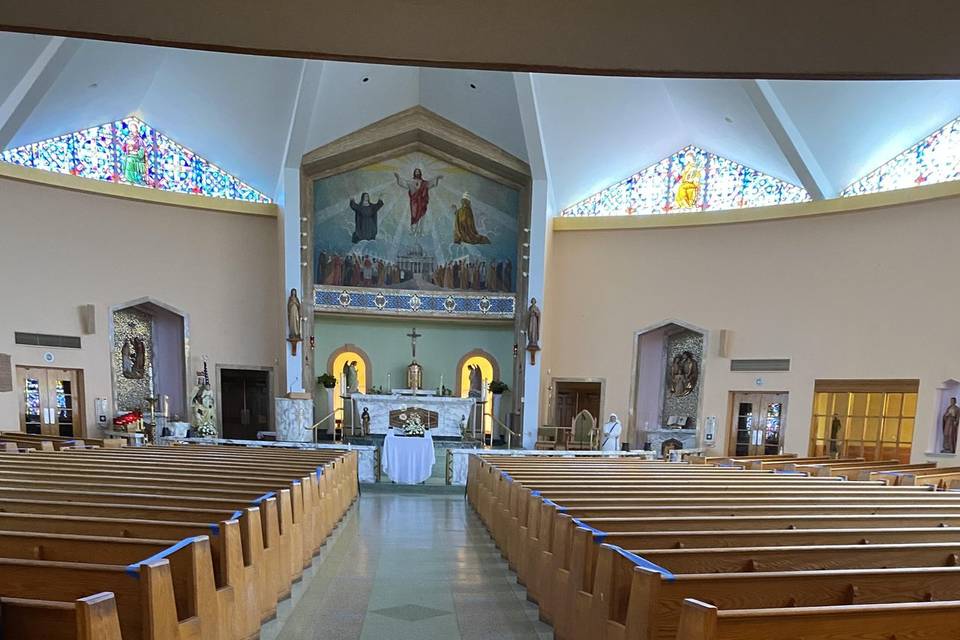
(365, 79)
(473, 86)
(93, 85)
(728, 119)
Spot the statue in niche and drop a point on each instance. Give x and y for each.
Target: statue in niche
(365, 218)
(533, 330)
(949, 424)
(418, 190)
(351, 378)
(133, 355)
(476, 381)
(465, 225)
(294, 315)
(684, 374)
(688, 192)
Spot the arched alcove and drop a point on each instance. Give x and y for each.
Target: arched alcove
(342, 356)
(489, 371)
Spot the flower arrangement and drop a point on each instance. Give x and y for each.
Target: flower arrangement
(412, 425)
(498, 387)
(327, 380)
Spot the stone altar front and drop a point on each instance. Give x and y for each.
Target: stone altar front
(451, 412)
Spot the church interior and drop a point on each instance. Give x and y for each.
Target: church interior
(497, 332)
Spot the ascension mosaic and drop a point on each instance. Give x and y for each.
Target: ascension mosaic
(429, 236)
(690, 180)
(131, 152)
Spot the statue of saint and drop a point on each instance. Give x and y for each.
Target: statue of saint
(418, 190)
(476, 381)
(950, 421)
(533, 326)
(351, 377)
(204, 411)
(464, 224)
(294, 314)
(835, 428)
(133, 356)
(364, 422)
(365, 218)
(689, 189)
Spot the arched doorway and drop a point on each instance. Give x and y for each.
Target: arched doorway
(343, 356)
(489, 371)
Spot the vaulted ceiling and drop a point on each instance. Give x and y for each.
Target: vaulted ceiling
(256, 115)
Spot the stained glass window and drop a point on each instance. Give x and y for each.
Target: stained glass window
(129, 151)
(690, 180)
(934, 159)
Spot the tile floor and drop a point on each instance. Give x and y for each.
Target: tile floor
(409, 563)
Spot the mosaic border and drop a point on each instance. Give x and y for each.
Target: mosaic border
(412, 303)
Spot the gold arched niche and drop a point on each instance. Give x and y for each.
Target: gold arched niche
(490, 371)
(335, 363)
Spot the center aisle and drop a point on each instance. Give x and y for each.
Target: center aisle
(423, 568)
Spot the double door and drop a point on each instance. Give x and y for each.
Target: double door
(758, 423)
(51, 401)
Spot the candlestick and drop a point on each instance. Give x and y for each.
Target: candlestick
(441, 384)
(389, 387)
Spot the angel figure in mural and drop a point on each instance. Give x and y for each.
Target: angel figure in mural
(134, 161)
(689, 190)
(419, 191)
(365, 218)
(465, 225)
(684, 373)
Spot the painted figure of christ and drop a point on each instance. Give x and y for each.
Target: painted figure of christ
(419, 191)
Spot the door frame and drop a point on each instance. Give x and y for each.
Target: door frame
(271, 386)
(79, 397)
(731, 414)
(553, 391)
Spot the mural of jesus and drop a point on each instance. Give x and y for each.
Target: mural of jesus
(419, 191)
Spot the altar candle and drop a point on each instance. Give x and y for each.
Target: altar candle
(441, 383)
(343, 385)
(389, 388)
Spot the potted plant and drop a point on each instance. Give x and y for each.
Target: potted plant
(328, 382)
(497, 388)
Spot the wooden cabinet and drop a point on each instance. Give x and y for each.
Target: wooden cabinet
(51, 401)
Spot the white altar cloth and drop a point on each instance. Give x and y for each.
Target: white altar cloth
(451, 412)
(408, 460)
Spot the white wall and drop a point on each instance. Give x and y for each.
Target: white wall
(872, 294)
(60, 249)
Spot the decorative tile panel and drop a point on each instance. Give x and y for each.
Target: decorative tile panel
(400, 302)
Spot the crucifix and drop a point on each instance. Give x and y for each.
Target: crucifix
(413, 335)
(414, 371)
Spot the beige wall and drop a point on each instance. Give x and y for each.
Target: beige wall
(60, 249)
(872, 294)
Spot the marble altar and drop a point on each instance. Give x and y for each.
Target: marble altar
(687, 439)
(451, 412)
(294, 419)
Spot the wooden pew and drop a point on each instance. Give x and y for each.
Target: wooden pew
(649, 607)
(931, 620)
(89, 618)
(939, 478)
(719, 460)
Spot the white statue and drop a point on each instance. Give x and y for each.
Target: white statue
(610, 435)
(204, 411)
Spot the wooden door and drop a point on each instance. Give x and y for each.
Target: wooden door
(757, 423)
(51, 401)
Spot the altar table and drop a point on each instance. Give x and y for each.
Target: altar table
(408, 460)
(451, 412)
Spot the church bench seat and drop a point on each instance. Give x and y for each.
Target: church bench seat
(646, 604)
(823, 469)
(773, 465)
(914, 620)
(863, 473)
(92, 617)
(610, 568)
(713, 460)
(146, 604)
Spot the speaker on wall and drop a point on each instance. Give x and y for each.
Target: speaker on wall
(724, 343)
(88, 319)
